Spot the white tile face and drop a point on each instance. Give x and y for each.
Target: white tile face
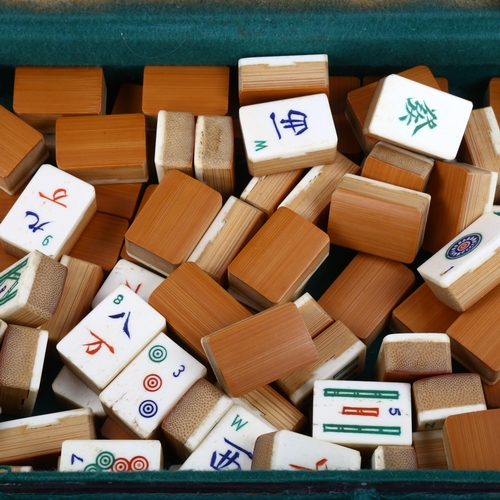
(230, 444)
(418, 117)
(139, 280)
(50, 208)
(287, 128)
(16, 282)
(109, 337)
(149, 387)
(110, 455)
(362, 414)
(474, 246)
(282, 60)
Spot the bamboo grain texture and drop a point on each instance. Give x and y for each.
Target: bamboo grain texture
(314, 316)
(118, 199)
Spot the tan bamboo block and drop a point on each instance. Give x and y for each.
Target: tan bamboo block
(422, 311)
(201, 90)
(311, 197)
(341, 355)
(7, 200)
(172, 222)
(471, 441)
(21, 364)
(230, 231)
(268, 191)
(398, 166)
(101, 241)
(479, 353)
(493, 96)
(43, 94)
(492, 395)
(406, 357)
(369, 79)
(194, 306)
(429, 448)
(6, 260)
(279, 260)
(359, 100)
(260, 349)
(111, 430)
(264, 79)
(106, 149)
(83, 280)
(438, 397)
(443, 83)
(378, 218)
(214, 153)
(32, 439)
(22, 150)
(128, 99)
(174, 145)
(460, 194)
(394, 458)
(118, 199)
(369, 284)
(314, 316)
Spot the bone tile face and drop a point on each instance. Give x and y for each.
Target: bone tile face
(110, 455)
(109, 337)
(49, 215)
(417, 117)
(362, 415)
(149, 387)
(230, 444)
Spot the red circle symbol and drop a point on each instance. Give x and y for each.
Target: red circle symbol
(152, 382)
(463, 246)
(139, 463)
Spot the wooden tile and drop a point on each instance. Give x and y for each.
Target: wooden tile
(429, 448)
(128, 99)
(422, 311)
(106, 149)
(22, 149)
(230, 231)
(378, 218)
(174, 148)
(21, 363)
(7, 201)
(492, 395)
(311, 197)
(246, 355)
(466, 269)
(43, 94)
(111, 430)
(118, 199)
(471, 441)
(438, 397)
(314, 316)
(201, 90)
(406, 357)
(493, 96)
(443, 83)
(288, 134)
(394, 165)
(347, 142)
(264, 79)
(167, 229)
(371, 284)
(340, 86)
(460, 194)
(277, 262)
(394, 458)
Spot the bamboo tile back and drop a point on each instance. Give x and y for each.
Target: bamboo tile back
(493, 96)
(429, 448)
(314, 316)
(118, 199)
(128, 100)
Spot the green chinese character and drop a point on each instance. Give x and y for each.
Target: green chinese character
(419, 114)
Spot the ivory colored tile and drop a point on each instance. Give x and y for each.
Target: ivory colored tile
(276, 264)
(21, 363)
(417, 117)
(174, 148)
(22, 149)
(362, 415)
(438, 397)
(109, 337)
(406, 357)
(260, 349)
(49, 215)
(110, 456)
(288, 134)
(314, 316)
(172, 222)
(107, 149)
(194, 416)
(134, 399)
(429, 448)
(43, 94)
(230, 444)
(422, 311)
(233, 227)
(394, 457)
(378, 218)
(128, 99)
(31, 289)
(285, 450)
(370, 284)
(466, 269)
(471, 441)
(270, 78)
(118, 199)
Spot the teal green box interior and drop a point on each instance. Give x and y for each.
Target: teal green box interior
(458, 40)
